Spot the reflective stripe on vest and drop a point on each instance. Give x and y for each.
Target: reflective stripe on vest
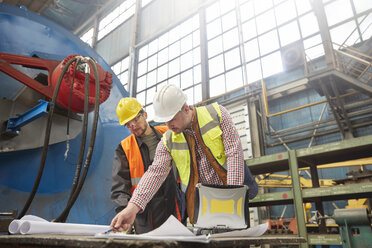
(134, 157)
(209, 118)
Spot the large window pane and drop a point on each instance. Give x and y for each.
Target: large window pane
(190, 95)
(249, 30)
(152, 62)
(215, 46)
(262, 5)
(246, 11)
(229, 20)
(141, 83)
(216, 66)
(163, 41)
(212, 12)
(234, 79)
(230, 39)
(313, 47)
(163, 73)
(151, 78)
(217, 85)
(226, 6)
(254, 71)
(289, 33)
(142, 67)
(232, 59)
(174, 67)
(309, 24)
(197, 93)
(174, 34)
(186, 61)
(142, 53)
(303, 6)
(153, 47)
(197, 74)
(285, 12)
(174, 50)
(341, 33)
(338, 11)
(265, 22)
(251, 50)
(365, 26)
(163, 56)
(186, 43)
(362, 5)
(214, 28)
(272, 64)
(196, 38)
(141, 97)
(186, 28)
(150, 95)
(186, 79)
(196, 56)
(268, 42)
(175, 80)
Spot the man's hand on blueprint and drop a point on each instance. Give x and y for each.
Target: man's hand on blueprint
(125, 218)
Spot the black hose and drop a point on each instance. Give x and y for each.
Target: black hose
(46, 140)
(63, 216)
(83, 138)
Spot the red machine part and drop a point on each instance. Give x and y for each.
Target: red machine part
(54, 69)
(78, 92)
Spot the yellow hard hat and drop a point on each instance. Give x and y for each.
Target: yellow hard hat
(127, 109)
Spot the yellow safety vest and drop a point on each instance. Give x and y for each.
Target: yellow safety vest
(209, 119)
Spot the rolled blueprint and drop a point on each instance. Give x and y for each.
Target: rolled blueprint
(15, 225)
(39, 227)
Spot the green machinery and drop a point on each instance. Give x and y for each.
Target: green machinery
(355, 227)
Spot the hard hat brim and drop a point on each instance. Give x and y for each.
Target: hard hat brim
(129, 119)
(164, 118)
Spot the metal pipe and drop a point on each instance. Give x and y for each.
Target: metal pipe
(308, 126)
(317, 134)
(297, 108)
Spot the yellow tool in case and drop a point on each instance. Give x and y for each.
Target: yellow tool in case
(220, 208)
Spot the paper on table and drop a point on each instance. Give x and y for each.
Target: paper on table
(31, 224)
(37, 227)
(255, 231)
(172, 229)
(15, 225)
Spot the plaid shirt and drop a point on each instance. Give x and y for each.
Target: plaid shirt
(158, 171)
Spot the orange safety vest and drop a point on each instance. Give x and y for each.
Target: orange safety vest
(134, 157)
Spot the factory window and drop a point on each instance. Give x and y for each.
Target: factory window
(145, 2)
(224, 60)
(121, 71)
(338, 11)
(269, 28)
(172, 58)
(346, 26)
(119, 15)
(87, 37)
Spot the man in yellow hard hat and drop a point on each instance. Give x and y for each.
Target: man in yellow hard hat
(132, 158)
(204, 144)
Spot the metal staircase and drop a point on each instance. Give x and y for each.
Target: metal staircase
(348, 74)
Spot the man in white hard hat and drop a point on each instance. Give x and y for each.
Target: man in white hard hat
(205, 146)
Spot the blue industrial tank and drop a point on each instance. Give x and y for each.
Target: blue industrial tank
(28, 34)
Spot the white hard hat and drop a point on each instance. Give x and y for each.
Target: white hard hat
(168, 101)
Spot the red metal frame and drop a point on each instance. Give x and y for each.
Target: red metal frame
(6, 61)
